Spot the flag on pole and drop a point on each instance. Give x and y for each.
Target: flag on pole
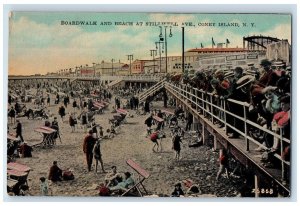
(213, 42)
(227, 42)
(202, 46)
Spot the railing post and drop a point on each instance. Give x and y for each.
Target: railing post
(282, 161)
(211, 109)
(245, 124)
(224, 110)
(197, 102)
(256, 186)
(185, 90)
(203, 104)
(194, 98)
(203, 134)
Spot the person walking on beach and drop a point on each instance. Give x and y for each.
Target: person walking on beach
(55, 126)
(189, 122)
(88, 146)
(18, 129)
(149, 122)
(98, 155)
(176, 146)
(223, 161)
(72, 122)
(12, 115)
(154, 138)
(62, 112)
(48, 100)
(84, 120)
(74, 105)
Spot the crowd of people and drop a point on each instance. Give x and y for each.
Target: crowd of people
(265, 89)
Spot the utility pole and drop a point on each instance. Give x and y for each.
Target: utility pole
(182, 50)
(130, 57)
(166, 45)
(94, 69)
(153, 53)
(112, 67)
(159, 51)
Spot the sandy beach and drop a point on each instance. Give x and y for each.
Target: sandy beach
(198, 164)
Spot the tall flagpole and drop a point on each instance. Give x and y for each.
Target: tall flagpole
(182, 50)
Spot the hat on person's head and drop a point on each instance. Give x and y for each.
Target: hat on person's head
(54, 162)
(278, 64)
(90, 131)
(228, 74)
(243, 81)
(219, 71)
(178, 184)
(55, 117)
(265, 63)
(250, 64)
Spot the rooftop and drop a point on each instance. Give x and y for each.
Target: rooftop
(217, 50)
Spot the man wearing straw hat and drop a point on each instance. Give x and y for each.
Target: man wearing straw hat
(266, 78)
(241, 92)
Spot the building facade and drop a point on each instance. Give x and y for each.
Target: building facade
(109, 68)
(138, 66)
(279, 51)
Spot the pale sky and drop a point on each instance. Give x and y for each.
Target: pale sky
(38, 43)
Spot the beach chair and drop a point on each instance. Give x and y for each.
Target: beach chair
(142, 173)
(123, 114)
(48, 135)
(11, 184)
(12, 137)
(105, 103)
(159, 122)
(158, 119)
(18, 172)
(122, 111)
(167, 116)
(98, 107)
(13, 144)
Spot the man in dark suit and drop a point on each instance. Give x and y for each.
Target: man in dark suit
(18, 129)
(88, 145)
